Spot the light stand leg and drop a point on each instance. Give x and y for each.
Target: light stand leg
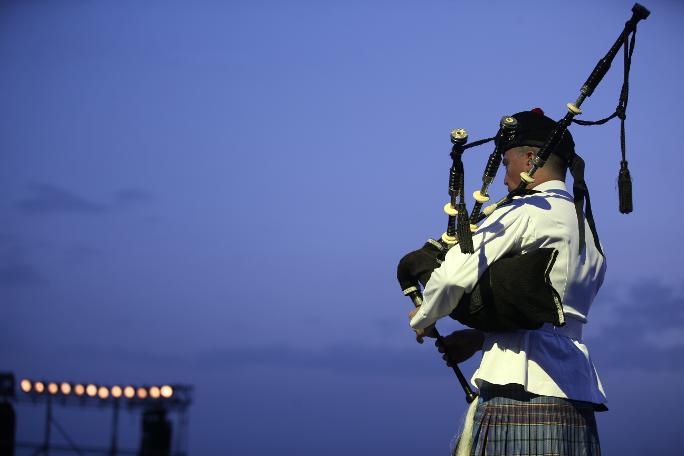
(115, 429)
(45, 448)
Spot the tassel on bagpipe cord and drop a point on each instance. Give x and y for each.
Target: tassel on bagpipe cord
(638, 13)
(600, 70)
(624, 178)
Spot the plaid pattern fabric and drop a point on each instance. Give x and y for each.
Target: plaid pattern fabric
(512, 422)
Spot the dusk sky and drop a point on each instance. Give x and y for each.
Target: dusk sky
(217, 193)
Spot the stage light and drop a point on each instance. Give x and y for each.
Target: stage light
(103, 392)
(91, 390)
(65, 388)
(154, 392)
(166, 391)
(95, 394)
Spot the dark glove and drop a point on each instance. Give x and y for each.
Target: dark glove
(418, 265)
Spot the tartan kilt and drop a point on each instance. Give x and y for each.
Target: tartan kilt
(511, 422)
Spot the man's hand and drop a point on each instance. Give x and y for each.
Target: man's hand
(418, 265)
(421, 333)
(460, 345)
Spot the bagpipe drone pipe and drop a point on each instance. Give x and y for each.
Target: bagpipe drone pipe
(494, 304)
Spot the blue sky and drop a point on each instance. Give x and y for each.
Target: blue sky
(217, 193)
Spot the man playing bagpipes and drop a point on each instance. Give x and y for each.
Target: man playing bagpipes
(528, 287)
(524, 281)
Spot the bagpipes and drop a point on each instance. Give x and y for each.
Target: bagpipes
(489, 308)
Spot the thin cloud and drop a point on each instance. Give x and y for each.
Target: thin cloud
(418, 361)
(19, 274)
(131, 197)
(49, 199)
(348, 359)
(645, 328)
(16, 269)
(79, 254)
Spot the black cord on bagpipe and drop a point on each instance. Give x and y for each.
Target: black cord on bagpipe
(460, 225)
(624, 178)
(624, 182)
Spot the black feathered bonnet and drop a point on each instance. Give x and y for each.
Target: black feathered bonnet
(533, 129)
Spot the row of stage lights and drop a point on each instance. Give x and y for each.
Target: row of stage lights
(96, 391)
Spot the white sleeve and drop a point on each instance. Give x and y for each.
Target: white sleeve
(458, 274)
